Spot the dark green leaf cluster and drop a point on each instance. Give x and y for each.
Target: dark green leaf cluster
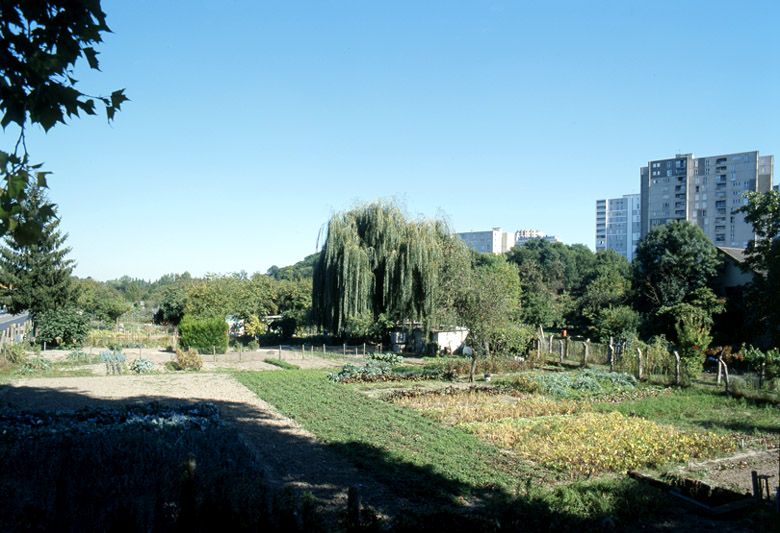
(675, 264)
(65, 326)
(40, 43)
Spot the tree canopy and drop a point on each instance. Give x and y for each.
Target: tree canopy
(674, 264)
(40, 45)
(37, 277)
(376, 262)
(763, 257)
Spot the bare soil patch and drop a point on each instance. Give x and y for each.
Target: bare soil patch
(248, 360)
(734, 472)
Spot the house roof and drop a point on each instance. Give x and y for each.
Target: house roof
(737, 254)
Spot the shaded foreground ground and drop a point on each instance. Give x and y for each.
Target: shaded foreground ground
(369, 450)
(290, 456)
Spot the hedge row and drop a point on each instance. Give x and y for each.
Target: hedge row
(203, 334)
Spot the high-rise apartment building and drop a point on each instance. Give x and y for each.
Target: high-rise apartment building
(618, 224)
(705, 191)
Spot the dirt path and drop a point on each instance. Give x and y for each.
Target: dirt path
(248, 360)
(291, 455)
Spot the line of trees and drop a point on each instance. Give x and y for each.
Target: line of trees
(379, 268)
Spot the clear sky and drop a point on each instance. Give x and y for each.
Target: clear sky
(251, 122)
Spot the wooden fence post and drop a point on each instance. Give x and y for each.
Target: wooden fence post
(587, 352)
(540, 348)
(638, 363)
(344, 348)
(677, 376)
(611, 352)
(721, 362)
(551, 344)
(560, 351)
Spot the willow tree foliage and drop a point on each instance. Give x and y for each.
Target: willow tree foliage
(375, 261)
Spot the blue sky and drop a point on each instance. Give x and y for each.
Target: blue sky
(252, 122)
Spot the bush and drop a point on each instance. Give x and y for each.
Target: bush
(513, 339)
(765, 363)
(203, 334)
(389, 358)
(62, 327)
(580, 384)
(187, 360)
(34, 366)
(114, 361)
(14, 353)
(142, 366)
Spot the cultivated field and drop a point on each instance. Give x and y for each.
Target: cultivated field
(417, 444)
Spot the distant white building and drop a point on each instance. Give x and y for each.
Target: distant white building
(524, 235)
(618, 224)
(494, 241)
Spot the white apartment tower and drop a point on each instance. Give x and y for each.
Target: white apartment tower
(618, 224)
(705, 191)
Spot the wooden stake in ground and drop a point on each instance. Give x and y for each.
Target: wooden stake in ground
(587, 352)
(722, 363)
(560, 351)
(638, 364)
(677, 376)
(611, 354)
(540, 348)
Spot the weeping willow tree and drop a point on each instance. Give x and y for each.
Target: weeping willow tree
(375, 261)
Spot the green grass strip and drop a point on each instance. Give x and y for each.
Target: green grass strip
(703, 409)
(402, 448)
(281, 363)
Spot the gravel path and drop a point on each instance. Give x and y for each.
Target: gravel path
(291, 455)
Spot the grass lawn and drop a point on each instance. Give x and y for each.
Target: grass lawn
(399, 446)
(702, 408)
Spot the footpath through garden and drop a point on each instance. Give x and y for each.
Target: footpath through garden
(291, 456)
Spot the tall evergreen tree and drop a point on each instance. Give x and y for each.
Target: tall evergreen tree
(37, 277)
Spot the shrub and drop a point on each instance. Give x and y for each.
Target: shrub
(187, 360)
(14, 353)
(513, 339)
(114, 361)
(62, 327)
(389, 358)
(580, 384)
(35, 365)
(142, 366)
(203, 334)
(765, 363)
